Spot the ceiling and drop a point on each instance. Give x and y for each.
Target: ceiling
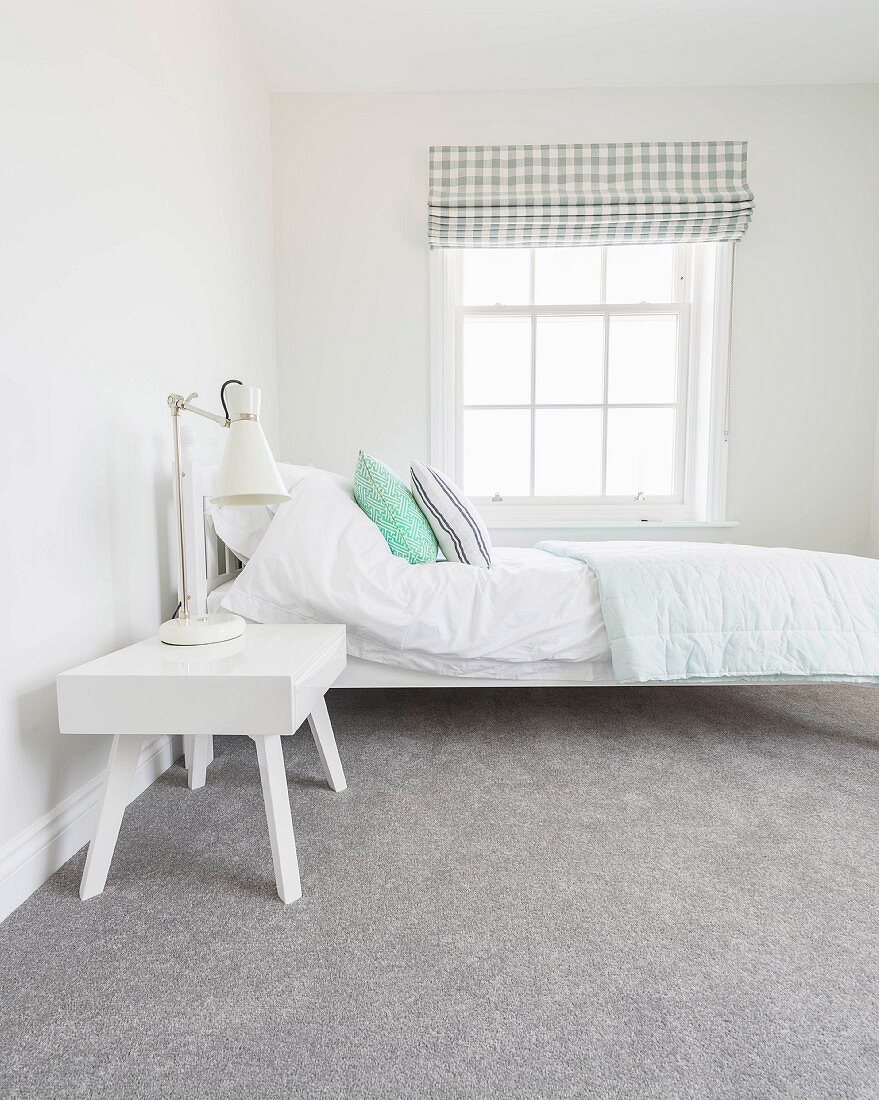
(462, 45)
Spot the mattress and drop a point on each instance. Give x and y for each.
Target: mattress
(365, 675)
(567, 589)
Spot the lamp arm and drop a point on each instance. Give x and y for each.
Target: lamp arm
(178, 403)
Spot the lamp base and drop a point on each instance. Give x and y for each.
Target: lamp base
(202, 630)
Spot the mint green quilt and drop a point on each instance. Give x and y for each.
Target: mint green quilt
(683, 611)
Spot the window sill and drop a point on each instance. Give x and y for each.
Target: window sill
(609, 525)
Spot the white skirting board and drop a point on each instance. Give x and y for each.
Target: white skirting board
(36, 854)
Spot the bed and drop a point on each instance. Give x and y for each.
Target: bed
(561, 614)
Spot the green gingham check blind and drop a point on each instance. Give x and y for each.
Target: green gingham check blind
(496, 196)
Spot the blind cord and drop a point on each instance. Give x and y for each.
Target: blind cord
(727, 399)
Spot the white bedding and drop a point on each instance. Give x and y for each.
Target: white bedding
(674, 612)
(216, 598)
(323, 560)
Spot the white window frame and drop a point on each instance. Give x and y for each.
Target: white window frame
(703, 279)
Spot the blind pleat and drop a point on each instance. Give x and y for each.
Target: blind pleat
(557, 195)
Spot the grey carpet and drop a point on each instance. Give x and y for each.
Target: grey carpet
(602, 893)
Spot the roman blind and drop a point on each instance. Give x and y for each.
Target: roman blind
(494, 196)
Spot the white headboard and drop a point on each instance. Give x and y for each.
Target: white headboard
(209, 561)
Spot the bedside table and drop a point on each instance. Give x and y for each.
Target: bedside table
(262, 685)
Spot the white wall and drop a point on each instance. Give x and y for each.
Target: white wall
(135, 259)
(353, 321)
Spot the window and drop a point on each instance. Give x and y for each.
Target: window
(583, 384)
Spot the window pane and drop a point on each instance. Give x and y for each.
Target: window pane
(570, 360)
(567, 276)
(642, 359)
(640, 452)
(496, 276)
(496, 358)
(640, 273)
(497, 452)
(567, 452)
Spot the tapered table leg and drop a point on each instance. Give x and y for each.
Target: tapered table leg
(124, 754)
(202, 754)
(277, 802)
(322, 732)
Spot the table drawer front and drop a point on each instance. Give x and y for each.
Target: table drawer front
(156, 705)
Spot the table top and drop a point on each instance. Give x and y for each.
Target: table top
(261, 651)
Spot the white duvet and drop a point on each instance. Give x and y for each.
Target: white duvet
(323, 560)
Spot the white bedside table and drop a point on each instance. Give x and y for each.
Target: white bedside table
(262, 685)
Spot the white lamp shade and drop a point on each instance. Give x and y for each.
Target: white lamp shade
(248, 474)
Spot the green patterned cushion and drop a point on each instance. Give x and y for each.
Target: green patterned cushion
(392, 508)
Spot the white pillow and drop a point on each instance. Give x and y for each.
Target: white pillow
(459, 530)
(242, 527)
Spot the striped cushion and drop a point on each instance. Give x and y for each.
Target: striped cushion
(459, 531)
(389, 504)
